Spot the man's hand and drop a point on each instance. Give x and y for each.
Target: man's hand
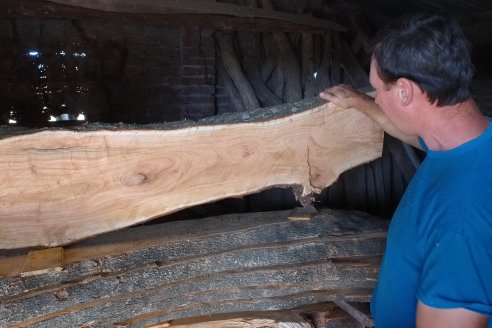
(429, 317)
(344, 96)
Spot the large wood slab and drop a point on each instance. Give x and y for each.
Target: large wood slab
(59, 186)
(152, 274)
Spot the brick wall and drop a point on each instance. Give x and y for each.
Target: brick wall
(169, 73)
(138, 73)
(129, 73)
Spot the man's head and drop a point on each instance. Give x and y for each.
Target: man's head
(430, 51)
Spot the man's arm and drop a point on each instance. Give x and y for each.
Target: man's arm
(429, 317)
(346, 97)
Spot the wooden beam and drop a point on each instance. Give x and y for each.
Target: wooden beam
(41, 9)
(157, 273)
(198, 7)
(59, 186)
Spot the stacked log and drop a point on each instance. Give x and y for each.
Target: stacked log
(294, 65)
(236, 263)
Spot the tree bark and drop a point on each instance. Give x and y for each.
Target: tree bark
(233, 67)
(231, 90)
(234, 263)
(289, 63)
(249, 46)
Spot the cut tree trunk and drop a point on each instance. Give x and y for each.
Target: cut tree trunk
(60, 186)
(233, 67)
(235, 263)
(249, 45)
(288, 62)
(230, 88)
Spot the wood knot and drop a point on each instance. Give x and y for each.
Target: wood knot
(61, 295)
(136, 179)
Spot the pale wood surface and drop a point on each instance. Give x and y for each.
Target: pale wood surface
(59, 186)
(40, 261)
(277, 319)
(235, 263)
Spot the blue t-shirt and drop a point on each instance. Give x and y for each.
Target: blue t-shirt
(439, 246)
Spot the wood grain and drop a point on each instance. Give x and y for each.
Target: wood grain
(60, 186)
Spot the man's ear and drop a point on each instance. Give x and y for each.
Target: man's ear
(405, 91)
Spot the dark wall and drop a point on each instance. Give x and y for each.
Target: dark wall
(110, 72)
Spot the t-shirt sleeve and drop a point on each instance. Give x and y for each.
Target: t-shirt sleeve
(457, 273)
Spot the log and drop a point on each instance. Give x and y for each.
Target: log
(309, 81)
(336, 60)
(234, 263)
(200, 7)
(274, 77)
(364, 32)
(233, 68)
(356, 73)
(59, 186)
(289, 63)
(249, 48)
(323, 77)
(236, 101)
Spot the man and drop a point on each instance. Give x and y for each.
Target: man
(437, 268)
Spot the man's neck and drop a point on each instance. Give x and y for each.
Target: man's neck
(448, 127)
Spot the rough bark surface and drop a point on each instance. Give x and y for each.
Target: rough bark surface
(234, 263)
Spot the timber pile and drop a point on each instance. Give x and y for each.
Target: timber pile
(235, 263)
(60, 186)
(268, 68)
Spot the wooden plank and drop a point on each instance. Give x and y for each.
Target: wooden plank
(12, 9)
(266, 319)
(60, 186)
(200, 7)
(47, 10)
(229, 264)
(42, 261)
